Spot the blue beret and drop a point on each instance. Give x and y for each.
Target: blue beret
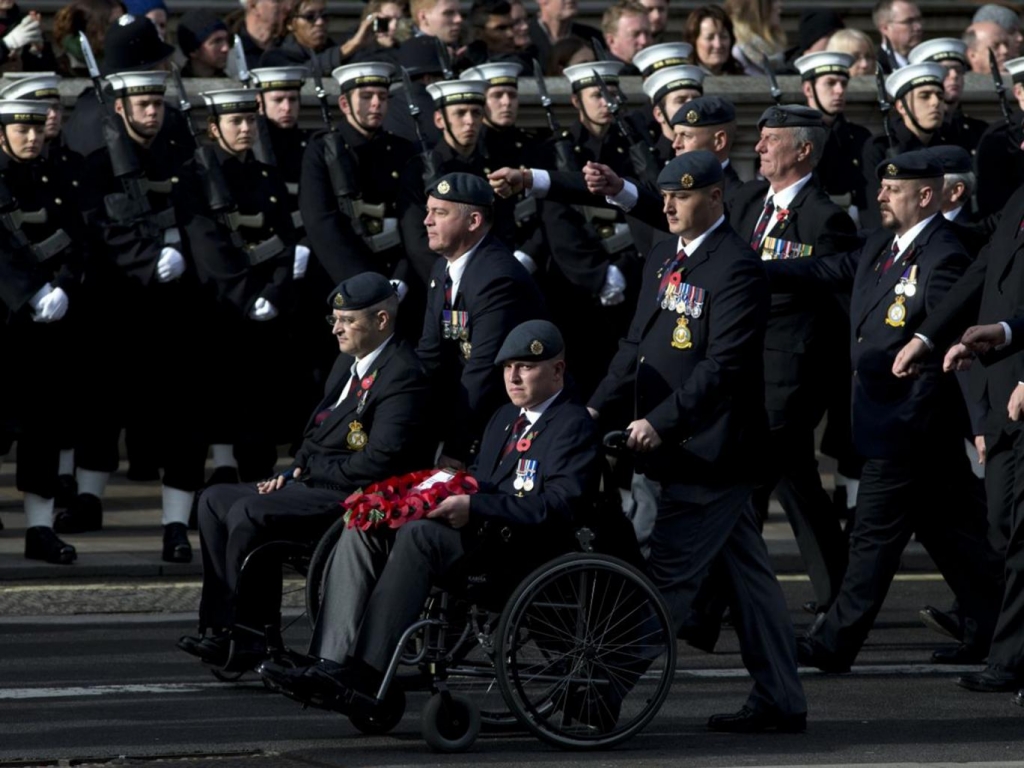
(534, 340)
(790, 116)
(952, 159)
(705, 110)
(919, 164)
(361, 291)
(690, 170)
(463, 188)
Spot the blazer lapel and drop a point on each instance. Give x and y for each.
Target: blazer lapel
(509, 462)
(347, 410)
(881, 284)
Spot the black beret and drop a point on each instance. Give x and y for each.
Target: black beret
(790, 116)
(361, 291)
(815, 24)
(462, 188)
(534, 340)
(705, 110)
(919, 164)
(952, 159)
(418, 56)
(196, 26)
(690, 170)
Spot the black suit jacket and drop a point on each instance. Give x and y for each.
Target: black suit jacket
(802, 326)
(892, 418)
(497, 294)
(706, 402)
(992, 289)
(399, 438)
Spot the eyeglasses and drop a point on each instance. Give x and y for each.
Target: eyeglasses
(916, 21)
(332, 320)
(314, 17)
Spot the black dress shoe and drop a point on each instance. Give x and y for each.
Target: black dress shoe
(212, 649)
(991, 680)
(321, 684)
(1018, 698)
(961, 654)
(748, 720)
(41, 543)
(942, 622)
(811, 654)
(177, 548)
(84, 514)
(190, 644)
(67, 489)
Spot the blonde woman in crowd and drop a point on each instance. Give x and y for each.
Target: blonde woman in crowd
(858, 45)
(759, 33)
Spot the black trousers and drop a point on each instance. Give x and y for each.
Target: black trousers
(233, 521)
(937, 497)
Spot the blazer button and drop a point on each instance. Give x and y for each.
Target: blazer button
(642, 359)
(860, 339)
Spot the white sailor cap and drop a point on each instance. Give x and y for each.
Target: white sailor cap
(581, 76)
(449, 92)
(138, 83)
(32, 112)
(905, 79)
(30, 85)
(1016, 69)
(495, 73)
(371, 73)
(279, 78)
(669, 79)
(938, 50)
(814, 65)
(656, 57)
(231, 101)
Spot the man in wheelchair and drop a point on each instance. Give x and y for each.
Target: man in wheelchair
(538, 471)
(369, 425)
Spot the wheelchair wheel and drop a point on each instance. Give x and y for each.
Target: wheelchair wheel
(585, 652)
(452, 725)
(227, 677)
(317, 565)
(382, 718)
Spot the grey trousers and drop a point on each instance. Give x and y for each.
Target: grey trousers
(375, 585)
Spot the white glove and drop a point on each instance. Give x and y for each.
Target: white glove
(614, 289)
(524, 258)
(27, 32)
(53, 306)
(400, 288)
(171, 265)
(263, 310)
(301, 262)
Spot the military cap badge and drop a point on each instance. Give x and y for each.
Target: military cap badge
(444, 187)
(891, 169)
(536, 348)
(687, 181)
(339, 300)
(692, 116)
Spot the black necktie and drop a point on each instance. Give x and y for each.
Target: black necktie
(514, 434)
(894, 252)
(762, 224)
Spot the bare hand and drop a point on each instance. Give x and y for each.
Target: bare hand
(447, 462)
(908, 360)
(276, 483)
(958, 358)
(602, 180)
(981, 338)
(454, 510)
(1015, 407)
(979, 446)
(642, 436)
(507, 181)
(363, 37)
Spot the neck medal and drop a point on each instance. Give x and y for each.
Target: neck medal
(681, 337)
(357, 438)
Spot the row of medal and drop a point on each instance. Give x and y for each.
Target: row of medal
(683, 298)
(455, 324)
(526, 475)
(896, 315)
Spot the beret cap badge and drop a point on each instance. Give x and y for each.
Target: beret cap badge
(536, 347)
(687, 181)
(444, 187)
(339, 301)
(891, 169)
(692, 116)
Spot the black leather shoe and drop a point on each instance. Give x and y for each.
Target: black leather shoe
(942, 622)
(1018, 698)
(190, 644)
(213, 649)
(748, 720)
(961, 654)
(320, 684)
(84, 514)
(67, 489)
(991, 680)
(176, 545)
(42, 544)
(810, 654)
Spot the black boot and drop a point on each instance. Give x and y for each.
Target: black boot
(41, 543)
(84, 513)
(177, 548)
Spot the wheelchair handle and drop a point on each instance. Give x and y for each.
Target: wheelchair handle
(616, 440)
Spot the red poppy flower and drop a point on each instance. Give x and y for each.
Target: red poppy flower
(524, 445)
(675, 278)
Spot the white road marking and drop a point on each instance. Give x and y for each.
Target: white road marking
(109, 690)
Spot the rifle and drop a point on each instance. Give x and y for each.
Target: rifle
(133, 204)
(264, 149)
(997, 81)
(773, 89)
(215, 185)
(885, 107)
(564, 158)
(340, 166)
(444, 56)
(640, 155)
(429, 158)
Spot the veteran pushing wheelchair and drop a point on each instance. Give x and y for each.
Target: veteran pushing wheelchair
(582, 652)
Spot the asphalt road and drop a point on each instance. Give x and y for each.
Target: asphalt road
(114, 688)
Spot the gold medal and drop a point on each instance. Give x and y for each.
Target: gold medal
(897, 314)
(356, 436)
(681, 338)
(467, 349)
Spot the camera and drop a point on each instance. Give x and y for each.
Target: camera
(381, 24)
